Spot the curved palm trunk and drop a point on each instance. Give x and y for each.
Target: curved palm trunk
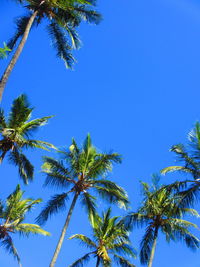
(98, 262)
(62, 236)
(153, 247)
(16, 55)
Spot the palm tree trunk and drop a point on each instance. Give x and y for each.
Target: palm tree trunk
(16, 55)
(62, 236)
(98, 262)
(153, 247)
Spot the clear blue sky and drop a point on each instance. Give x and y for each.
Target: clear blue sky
(135, 88)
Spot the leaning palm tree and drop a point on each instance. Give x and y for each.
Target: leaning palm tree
(110, 242)
(12, 216)
(85, 171)
(189, 157)
(63, 17)
(16, 132)
(160, 212)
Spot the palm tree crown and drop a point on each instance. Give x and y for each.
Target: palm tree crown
(12, 215)
(189, 156)
(62, 17)
(16, 132)
(110, 242)
(86, 171)
(160, 211)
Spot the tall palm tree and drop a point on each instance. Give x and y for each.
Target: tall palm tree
(110, 242)
(16, 132)
(189, 156)
(63, 17)
(160, 212)
(12, 216)
(3, 51)
(85, 171)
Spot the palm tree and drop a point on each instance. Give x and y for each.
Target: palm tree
(110, 242)
(160, 211)
(12, 216)
(16, 132)
(63, 17)
(3, 51)
(85, 170)
(189, 155)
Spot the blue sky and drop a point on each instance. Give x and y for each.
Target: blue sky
(135, 88)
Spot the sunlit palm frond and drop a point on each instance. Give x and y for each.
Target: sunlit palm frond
(27, 229)
(84, 240)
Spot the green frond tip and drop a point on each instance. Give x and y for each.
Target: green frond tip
(3, 51)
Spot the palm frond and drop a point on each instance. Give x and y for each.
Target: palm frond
(25, 167)
(7, 243)
(27, 228)
(176, 168)
(177, 230)
(53, 206)
(88, 15)
(112, 196)
(88, 201)
(124, 249)
(82, 261)
(121, 261)
(33, 125)
(84, 240)
(146, 245)
(21, 24)
(61, 44)
(20, 112)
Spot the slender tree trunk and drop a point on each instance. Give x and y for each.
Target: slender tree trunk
(16, 55)
(153, 247)
(62, 236)
(98, 262)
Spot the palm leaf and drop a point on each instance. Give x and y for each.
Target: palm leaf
(25, 168)
(21, 24)
(61, 44)
(27, 228)
(84, 240)
(53, 206)
(9, 246)
(82, 261)
(146, 245)
(121, 261)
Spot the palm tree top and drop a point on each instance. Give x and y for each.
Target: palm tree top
(83, 171)
(16, 133)
(64, 17)
(12, 216)
(161, 210)
(110, 241)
